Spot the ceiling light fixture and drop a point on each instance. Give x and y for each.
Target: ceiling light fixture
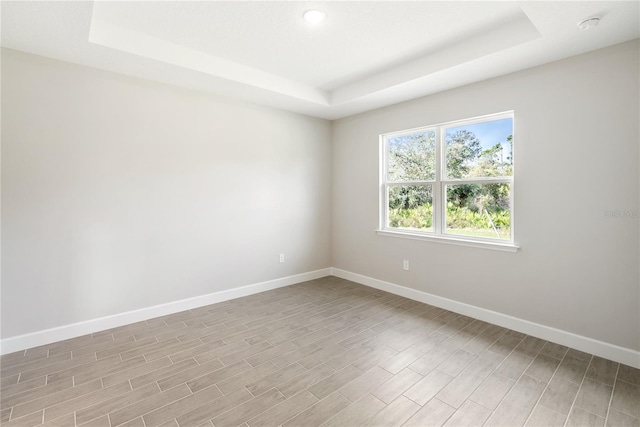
(589, 23)
(314, 16)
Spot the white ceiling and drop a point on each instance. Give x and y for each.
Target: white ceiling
(364, 56)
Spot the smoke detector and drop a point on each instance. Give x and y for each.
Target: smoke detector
(589, 23)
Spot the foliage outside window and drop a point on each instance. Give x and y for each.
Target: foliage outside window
(451, 180)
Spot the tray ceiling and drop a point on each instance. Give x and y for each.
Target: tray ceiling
(365, 55)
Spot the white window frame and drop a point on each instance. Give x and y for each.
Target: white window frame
(439, 185)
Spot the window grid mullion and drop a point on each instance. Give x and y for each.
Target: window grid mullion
(403, 183)
(384, 187)
(438, 212)
(492, 180)
(386, 205)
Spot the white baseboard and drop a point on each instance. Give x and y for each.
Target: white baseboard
(599, 348)
(21, 342)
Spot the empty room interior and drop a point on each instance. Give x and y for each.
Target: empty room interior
(306, 213)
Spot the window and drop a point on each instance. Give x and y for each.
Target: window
(451, 181)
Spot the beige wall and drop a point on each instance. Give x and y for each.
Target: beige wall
(119, 194)
(576, 154)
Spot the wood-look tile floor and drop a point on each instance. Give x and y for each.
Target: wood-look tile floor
(326, 352)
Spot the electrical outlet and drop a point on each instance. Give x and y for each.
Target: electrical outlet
(405, 264)
(281, 257)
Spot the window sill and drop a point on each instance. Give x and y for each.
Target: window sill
(504, 247)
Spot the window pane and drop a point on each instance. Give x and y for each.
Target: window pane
(479, 210)
(480, 150)
(412, 157)
(411, 206)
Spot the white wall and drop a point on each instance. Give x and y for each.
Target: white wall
(577, 155)
(119, 194)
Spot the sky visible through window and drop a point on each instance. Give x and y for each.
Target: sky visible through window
(490, 133)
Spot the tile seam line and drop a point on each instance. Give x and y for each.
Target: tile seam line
(84, 407)
(615, 382)
(515, 382)
(288, 398)
(549, 382)
(50, 406)
(273, 388)
(146, 413)
(575, 398)
(224, 412)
